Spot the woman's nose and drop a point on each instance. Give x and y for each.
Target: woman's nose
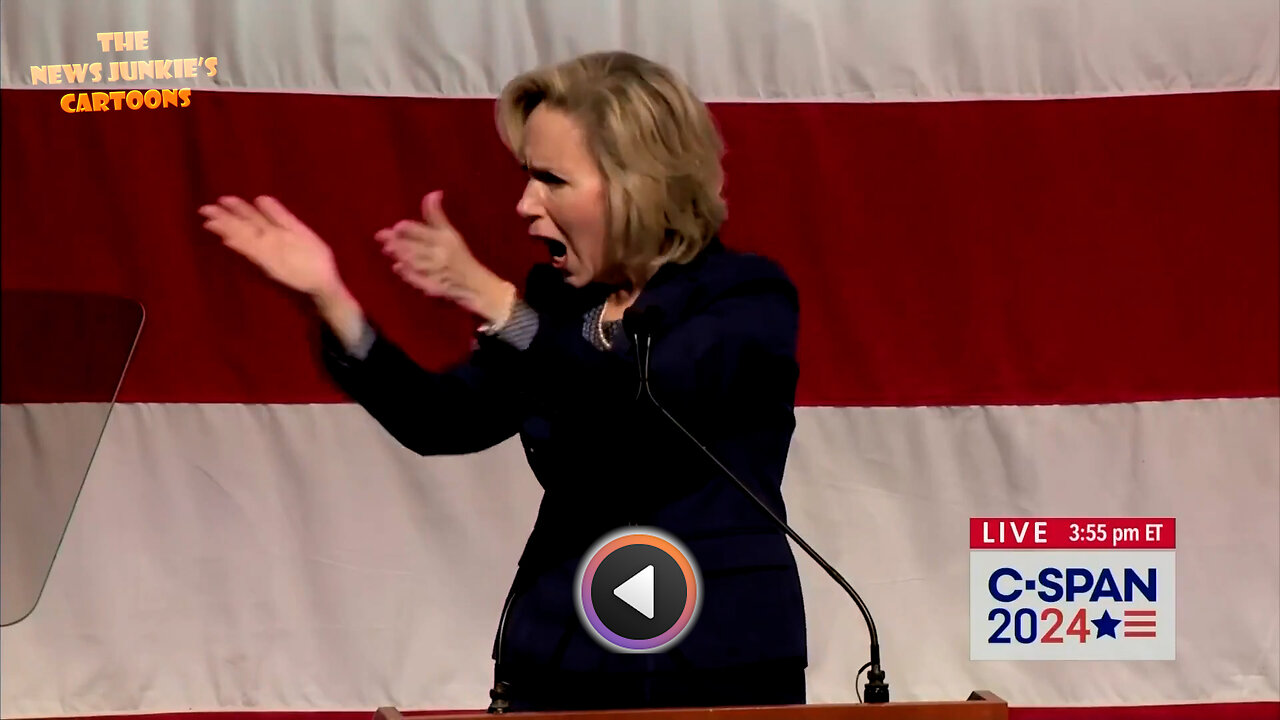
(528, 207)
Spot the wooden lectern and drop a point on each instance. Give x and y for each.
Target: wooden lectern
(981, 705)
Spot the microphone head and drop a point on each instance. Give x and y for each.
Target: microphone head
(643, 321)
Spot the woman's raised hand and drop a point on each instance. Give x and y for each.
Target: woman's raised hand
(276, 241)
(290, 253)
(431, 256)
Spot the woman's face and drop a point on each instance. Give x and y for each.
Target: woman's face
(564, 201)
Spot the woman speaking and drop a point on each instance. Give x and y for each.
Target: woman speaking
(625, 192)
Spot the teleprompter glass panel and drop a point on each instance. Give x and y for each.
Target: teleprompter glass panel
(62, 358)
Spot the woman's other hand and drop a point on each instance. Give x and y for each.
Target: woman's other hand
(277, 242)
(290, 253)
(431, 256)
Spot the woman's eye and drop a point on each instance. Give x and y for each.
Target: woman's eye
(544, 177)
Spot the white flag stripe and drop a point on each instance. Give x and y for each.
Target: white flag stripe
(298, 555)
(743, 50)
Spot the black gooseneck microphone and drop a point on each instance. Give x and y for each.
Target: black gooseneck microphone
(642, 324)
(499, 702)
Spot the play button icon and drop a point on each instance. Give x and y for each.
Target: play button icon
(638, 590)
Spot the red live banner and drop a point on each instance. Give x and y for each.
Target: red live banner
(1104, 533)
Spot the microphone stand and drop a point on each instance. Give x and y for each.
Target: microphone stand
(876, 690)
(499, 701)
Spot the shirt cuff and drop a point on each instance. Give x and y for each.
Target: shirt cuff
(360, 350)
(519, 329)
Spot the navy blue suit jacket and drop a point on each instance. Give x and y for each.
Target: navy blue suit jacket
(723, 363)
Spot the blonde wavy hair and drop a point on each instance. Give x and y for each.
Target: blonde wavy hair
(656, 145)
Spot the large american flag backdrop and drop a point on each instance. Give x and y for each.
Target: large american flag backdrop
(1037, 250)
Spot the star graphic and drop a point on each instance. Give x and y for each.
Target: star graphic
(1106, 625)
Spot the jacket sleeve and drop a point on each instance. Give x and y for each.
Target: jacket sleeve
(468, 408)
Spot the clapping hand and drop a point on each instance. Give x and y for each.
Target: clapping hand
(277, 242)
(290, 253)
(431, 255)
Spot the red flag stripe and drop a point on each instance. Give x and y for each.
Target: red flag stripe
(1082, 251)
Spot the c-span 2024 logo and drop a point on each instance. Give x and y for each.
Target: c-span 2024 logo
(1071, 588)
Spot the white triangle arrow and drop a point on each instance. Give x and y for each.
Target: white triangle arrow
(637, 592)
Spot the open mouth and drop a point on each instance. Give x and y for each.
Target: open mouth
(557, 249)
